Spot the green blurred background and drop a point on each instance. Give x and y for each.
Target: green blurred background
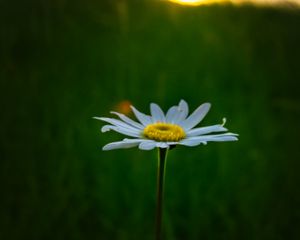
(63, 62)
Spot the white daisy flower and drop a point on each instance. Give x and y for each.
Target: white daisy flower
(165, 130)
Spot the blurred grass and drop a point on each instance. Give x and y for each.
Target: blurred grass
(63, 62)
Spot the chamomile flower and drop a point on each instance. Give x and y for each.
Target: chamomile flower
(176, 127)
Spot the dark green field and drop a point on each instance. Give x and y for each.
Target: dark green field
(63, 62)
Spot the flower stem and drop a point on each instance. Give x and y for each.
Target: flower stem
(161, 169)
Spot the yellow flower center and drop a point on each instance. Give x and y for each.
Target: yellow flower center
(164, 132)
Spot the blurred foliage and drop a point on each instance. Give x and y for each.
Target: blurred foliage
(63, 62)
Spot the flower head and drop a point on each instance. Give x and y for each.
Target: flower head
(165, 130)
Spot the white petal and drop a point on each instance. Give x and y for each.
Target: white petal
(180, 113)
(128, 120)
(183, 109)
(191, 142)
(121, 130)
(206, 130)
(171, 114)
(162, 145)
(178, 117)
(134, 140)
(177, 114)
(106, 128)
(225, 139)
(118, 123)
(121, 144)
(196, 116)
(143, 118)
(148, 145)
(157, 113)
(183, 106)
(172, 143)
(218, 137)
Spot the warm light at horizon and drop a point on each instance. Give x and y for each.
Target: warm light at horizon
(195, 2)
(260, 2)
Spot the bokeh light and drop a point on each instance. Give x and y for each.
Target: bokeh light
(123, 107)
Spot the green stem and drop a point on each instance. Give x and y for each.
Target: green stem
(161, 169)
